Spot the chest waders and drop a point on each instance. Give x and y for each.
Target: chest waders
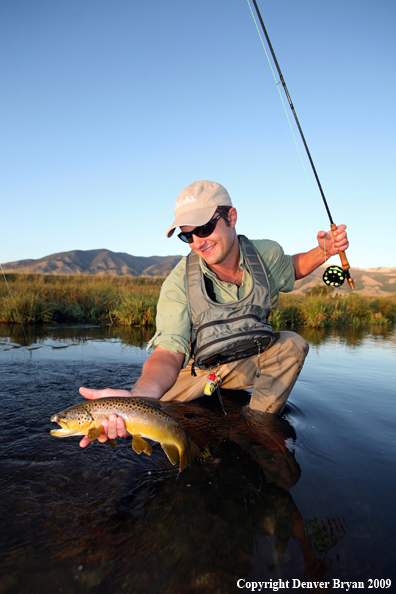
(225, 332)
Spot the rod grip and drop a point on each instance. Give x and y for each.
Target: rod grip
(344, 261)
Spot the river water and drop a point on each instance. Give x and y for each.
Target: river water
(308, 496)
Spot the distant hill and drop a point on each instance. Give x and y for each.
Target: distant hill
(96, 262)
(370, 281)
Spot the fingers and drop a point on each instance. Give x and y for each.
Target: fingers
(85, 442)
(107, 392)
(113, 427)
(334, 241)
(340, 239)
(91, 394)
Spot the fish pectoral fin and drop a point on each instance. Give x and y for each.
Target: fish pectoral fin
(139, 445)
(95, 432)
(172, 452)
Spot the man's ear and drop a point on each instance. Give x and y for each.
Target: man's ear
(232, 216)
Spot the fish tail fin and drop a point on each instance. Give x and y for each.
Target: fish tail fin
(189, 454)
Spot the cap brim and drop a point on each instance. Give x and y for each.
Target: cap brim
(196, 218)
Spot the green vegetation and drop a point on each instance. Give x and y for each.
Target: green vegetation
(64, 299)
(132, 301)
(322, 308)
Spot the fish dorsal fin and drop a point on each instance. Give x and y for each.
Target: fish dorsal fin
(172, 452)
(139, 445)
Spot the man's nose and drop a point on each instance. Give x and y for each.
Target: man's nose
(199, 242)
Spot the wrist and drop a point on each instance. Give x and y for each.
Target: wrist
(322, 254)
(148, 391)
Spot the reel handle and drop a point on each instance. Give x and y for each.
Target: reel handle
(344, 261)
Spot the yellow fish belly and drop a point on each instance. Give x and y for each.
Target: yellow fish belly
(143, 419)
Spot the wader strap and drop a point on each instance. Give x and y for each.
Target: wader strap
(253, 260)
(209, 288)
(193, 272)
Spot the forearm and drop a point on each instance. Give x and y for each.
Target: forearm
(306, 263)
(159, 374)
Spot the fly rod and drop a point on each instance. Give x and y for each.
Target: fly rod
(334, 275)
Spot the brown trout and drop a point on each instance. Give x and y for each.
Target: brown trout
(142, 419)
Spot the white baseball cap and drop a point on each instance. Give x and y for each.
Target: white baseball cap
(197, 203)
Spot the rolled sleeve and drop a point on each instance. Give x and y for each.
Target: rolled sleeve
(173, 320)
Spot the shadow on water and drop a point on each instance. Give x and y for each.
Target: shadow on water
(109, 519)
(272, 497)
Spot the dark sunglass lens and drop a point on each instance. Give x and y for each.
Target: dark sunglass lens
(205, 230)
(186, 237)
(202, 231)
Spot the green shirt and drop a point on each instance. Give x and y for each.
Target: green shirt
(173, 321)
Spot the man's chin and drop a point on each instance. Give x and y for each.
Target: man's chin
(210, 256)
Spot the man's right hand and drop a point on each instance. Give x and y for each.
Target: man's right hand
(160, 372)
(114, 426)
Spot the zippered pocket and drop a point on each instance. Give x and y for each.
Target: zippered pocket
(240, 334)
(227, 321)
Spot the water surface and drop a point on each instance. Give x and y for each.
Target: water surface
(308, 495)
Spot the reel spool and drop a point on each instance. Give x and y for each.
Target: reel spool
(334, 276)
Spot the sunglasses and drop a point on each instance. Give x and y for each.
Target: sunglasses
(202, 231)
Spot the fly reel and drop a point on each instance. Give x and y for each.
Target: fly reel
(334, 276)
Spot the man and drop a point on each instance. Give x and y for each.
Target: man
(225, 277)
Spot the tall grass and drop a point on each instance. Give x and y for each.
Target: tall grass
(325, 310)
(132, 301)
(104, 299)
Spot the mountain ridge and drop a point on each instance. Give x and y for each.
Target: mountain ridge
(379, 281)
(94, 262)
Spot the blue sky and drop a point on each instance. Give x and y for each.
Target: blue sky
(110, 108)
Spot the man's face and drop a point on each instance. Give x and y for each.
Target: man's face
(220, 246)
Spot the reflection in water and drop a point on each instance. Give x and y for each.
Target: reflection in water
(308, 495)
(347, 334)
(12, 336)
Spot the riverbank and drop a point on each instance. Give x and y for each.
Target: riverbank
(132, 301)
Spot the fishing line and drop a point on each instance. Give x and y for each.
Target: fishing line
(277, 82)
(14, 304)
(330, 279)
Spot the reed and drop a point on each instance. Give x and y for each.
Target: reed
(68, 299)
(324, 310)
(132, 301)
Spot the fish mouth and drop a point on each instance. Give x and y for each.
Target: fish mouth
(64, 427)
